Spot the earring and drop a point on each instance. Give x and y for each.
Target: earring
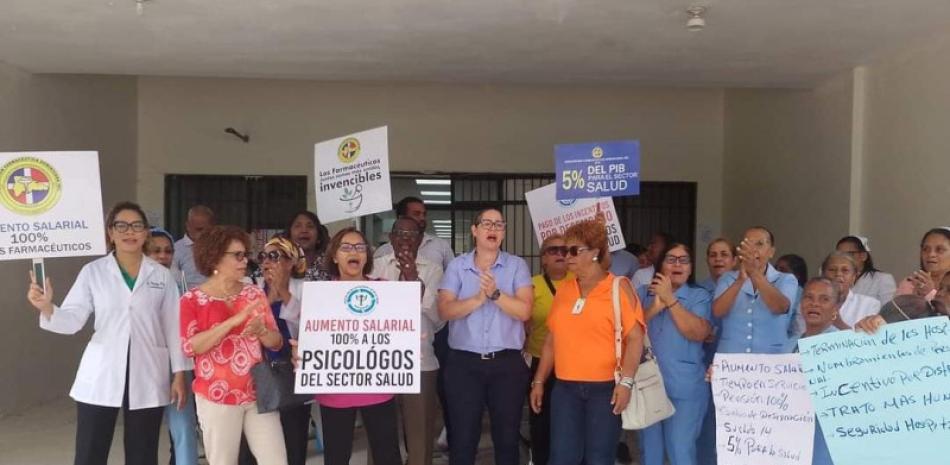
(595, 259)
(215, 271)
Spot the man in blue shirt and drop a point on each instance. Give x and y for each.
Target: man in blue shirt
(486, 296)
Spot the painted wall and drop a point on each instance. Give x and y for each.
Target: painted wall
(57, 113)
(906, 159)
(787, 165)
(435, 127)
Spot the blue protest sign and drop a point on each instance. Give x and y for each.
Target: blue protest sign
(597, 169)
(882, 398)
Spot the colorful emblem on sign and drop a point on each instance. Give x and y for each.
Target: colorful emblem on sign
(361, 300)
(31, 186)
(349, 150)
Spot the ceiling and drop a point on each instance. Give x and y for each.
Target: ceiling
(745, 43)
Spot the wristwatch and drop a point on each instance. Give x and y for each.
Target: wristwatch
(495, 295)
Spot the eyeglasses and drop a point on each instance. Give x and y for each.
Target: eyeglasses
(346, 247)
(273, 256)
(154, 250)
(124, 226)
(672, 260)
(239, 255)
(556, 250)
(575, 249)
(405, 234)
(492, 225)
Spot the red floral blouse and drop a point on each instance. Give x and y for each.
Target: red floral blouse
(223, 374)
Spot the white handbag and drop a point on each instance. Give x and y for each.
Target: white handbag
(649, 403)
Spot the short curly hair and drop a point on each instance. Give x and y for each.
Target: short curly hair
(593, 234)
(334, 269)
(210, 248)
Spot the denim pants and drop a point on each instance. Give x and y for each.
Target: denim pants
(584, 428)
(181, 427)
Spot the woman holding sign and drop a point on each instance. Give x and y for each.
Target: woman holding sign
(349, 252)
(819, 307)
(587, 399)
(677, 315)
(224, 323)
(127, 364)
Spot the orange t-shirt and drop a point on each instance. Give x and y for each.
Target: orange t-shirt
(584, 342)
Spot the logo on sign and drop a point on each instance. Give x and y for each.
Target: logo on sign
(567, 202)
(31, 186)
(597, 152)
(349, 150)
(361, 300)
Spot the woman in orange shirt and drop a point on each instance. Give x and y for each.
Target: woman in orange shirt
(587, 399)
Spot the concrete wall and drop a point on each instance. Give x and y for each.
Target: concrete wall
(440, 127)
(787, 165)
(57, 113)
(906, 174)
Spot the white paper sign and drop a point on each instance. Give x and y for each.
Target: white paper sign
(550, 216)
(50, 205)
(763, 413)
(352, 175)
(359, 337)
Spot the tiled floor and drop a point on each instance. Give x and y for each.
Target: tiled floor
(45, 436)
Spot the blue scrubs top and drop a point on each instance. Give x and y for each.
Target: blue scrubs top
(750, 327)
(680, 360)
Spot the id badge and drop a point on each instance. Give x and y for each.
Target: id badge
(578, 306)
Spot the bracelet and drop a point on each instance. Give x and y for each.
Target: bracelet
(626, 382)
(533, 383)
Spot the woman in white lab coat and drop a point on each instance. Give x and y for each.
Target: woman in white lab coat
(127, 364)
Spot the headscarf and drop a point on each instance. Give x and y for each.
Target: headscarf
(292, 251)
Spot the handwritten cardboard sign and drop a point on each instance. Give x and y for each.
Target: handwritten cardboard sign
(763, 414)
(883, 398)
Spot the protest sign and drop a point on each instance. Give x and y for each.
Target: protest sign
(352, 175)
(359, 337)
(597, 169)
(763, 414)
(551, 216)
(883, 398)
(50, 205)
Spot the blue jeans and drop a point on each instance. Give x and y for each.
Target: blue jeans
(675, 438)
(181, 427)
(584, 428)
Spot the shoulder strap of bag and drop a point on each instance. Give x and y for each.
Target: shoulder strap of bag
(547, 281)
(618, 328)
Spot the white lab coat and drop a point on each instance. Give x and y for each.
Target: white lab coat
(144, 320)
(290, 311)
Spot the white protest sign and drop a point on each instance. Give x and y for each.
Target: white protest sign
(764, 415)
(50, 205)
(359, 337)
(550, 216)
(352, 175)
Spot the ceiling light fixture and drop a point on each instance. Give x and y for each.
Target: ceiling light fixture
(434, 182)
(436, 193)
(437, 202)
(696, 22)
